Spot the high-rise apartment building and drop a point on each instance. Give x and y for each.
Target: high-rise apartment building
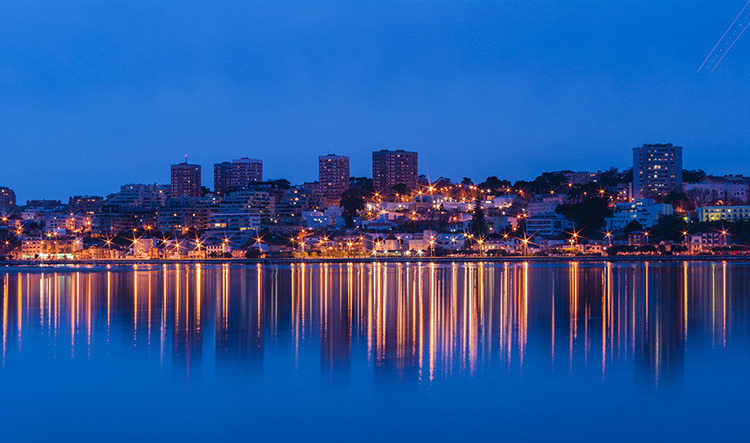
(186, 180)
(222, 177)
(139, 195)
(333, 177)
(390, 168)
(244, 171)
(657, 170)
(7, 198)
(234, 175)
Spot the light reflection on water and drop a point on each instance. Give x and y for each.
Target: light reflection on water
(403, 326)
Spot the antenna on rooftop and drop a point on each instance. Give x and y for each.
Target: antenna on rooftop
(185, 158)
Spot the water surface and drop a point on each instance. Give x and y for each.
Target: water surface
(568, 351)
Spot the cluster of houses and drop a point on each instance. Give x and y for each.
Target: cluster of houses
(277, 219)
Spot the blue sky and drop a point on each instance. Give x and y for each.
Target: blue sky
(97, 94)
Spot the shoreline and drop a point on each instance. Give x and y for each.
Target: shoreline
(441, 260)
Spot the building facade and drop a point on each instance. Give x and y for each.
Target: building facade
(714, 189)
(657, 170)
(7, 198)
(723, 213)
(139, 195)
(244, 171)
(222, 177)
(233, 221)
(548, 225)
(186, 180)
(234, 175)
(390, 168)
(333, 177)
(645, 211)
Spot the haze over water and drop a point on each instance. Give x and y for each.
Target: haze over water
(374, 351)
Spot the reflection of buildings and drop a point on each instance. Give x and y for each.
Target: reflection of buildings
(412, 322)
(660, 342)
(239, 322)
(187, 330)
(335, 336)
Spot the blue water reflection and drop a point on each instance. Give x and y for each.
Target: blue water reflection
(371, 351)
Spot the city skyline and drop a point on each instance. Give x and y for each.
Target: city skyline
(232, 178)
(507, 88)
(436, 220)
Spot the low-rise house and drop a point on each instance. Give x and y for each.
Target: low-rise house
(637, 238)
(452, 242)
(707, 240)
(144, 248)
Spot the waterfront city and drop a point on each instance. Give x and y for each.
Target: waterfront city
(652, 208)
(391, 221)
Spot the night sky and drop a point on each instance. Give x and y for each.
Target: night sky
(97, 94)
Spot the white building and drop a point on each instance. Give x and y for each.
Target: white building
(315, 219)
(723, 213)
(643, 210)
(544, 205)
(259, 202)
(548, 225)
(453, 242)
(139, 195)
(233, 221)
(711, 190)
(707, 240)
(142, 247)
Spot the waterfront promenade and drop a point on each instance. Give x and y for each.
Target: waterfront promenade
(382, 259)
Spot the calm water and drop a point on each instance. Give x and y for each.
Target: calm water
(589, 351)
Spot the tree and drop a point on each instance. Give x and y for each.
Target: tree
(668, 228)
(360, 182)
(610, 177)
(467, 181)
(679, 200)
(401, 189)
(702, 197)
(543, 184)
(588, 215)
(254, 253)
(633, 227)
(693, 175)
(363, 184)
(478, 225)
(282, 183)
(351, 202)
(493, 182)
(626, 176)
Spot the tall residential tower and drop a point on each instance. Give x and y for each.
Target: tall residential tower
(237, 174)
(244, 171)
(222, 177)
(657, 170)
(7, 198)
(186, 180)
(333, 177)
(390, 168)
